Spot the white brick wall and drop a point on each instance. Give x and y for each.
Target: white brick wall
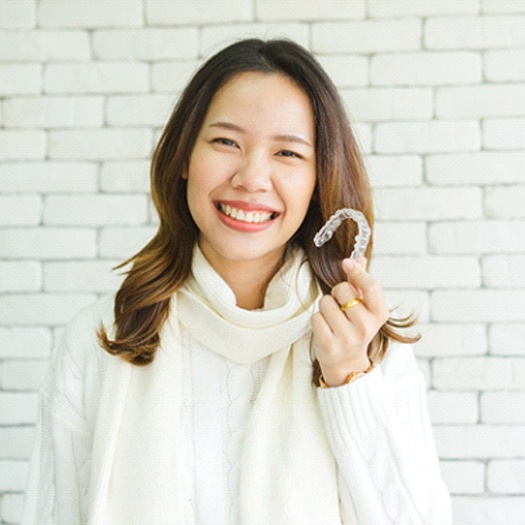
(437, 92)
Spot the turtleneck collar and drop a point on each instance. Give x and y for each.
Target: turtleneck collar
(208, 310)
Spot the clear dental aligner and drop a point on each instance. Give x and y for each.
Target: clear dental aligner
(363, 235)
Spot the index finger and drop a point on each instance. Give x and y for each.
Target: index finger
(370, 289)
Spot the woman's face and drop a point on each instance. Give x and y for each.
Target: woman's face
(252, 174)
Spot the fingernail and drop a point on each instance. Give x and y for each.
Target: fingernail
(350, 263)
(361, 261)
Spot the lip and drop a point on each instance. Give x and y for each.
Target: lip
(245, 227)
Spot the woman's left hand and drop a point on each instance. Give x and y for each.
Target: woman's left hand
(341, 338)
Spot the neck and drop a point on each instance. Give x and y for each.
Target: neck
(248, 279)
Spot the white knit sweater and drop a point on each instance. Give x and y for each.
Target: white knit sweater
(378, 429)
(219, 395)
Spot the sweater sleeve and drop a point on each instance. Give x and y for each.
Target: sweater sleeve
(59, 468)
(380, 433)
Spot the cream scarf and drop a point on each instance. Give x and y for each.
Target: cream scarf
(288, 474)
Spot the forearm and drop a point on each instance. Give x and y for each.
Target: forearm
(387, 463)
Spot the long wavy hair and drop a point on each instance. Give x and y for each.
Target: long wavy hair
(160, 268)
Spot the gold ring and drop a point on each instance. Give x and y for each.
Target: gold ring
(351, 303)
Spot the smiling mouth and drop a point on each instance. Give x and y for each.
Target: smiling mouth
(253, 217)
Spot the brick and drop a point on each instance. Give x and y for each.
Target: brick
(148, 110)
(478, 305)
(427, 137)
(54, 112)
(370, 36)
(479, 442)
(42, 309)
(13, 475)
(489, 236)
(505, 65)
(408, 302)
(480, 101)
(504, 134)
(44, 45)
(507, 338)
(496, 6)
(125, 176)
(172, 77)
(379, 104)
(153, 215)
(213, 38)
(464, 477)
(24, 343)
(58, 333)
(12, 505)
(122, 243)
(23, 375)
(48, 177)
(487, 511)
(453, 407)
(505, 201)
(145, 44)
(475, 168)
(394, 170)
(81, 276)
(428, 203)
(425, 69)
(505, 408)
(89, 13)
(363, 135)
(16, 442)
(18, 408)
(20, 276)
(478, 373)
(100, 144)
(160, 12)
(506, 476)
(17, 14)
(95, 210)
(427, 272)
(276, 10)
(452, 339)
(47, 243)
(96, 77)
(400, 238)
(483, 32)
(346, 70)
(424, 366)
(402, 8)
(19, 79)
(20, 210)
(26, 144)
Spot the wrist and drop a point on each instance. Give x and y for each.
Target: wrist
(342, 375)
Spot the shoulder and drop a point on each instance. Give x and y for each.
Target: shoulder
(79, 344)
(90, 318)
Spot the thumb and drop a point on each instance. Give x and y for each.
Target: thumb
(355, 269)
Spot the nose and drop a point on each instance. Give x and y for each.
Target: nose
(253, 175)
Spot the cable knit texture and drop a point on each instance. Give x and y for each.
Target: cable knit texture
(225, 426)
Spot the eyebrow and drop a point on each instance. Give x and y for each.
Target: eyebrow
(285, 138)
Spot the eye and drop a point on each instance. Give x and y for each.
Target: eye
(225, 142)
(288, 153)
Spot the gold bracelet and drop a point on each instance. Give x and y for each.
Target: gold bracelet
(351, 377)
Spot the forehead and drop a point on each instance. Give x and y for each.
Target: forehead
(262, 93)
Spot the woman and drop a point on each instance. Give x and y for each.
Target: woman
(248, 377)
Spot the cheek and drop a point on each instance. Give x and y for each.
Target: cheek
(300, 191)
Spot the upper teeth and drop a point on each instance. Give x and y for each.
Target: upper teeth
(248, 216)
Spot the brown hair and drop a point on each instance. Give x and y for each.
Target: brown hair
(162, 266)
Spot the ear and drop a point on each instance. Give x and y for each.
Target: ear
(184, 175)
